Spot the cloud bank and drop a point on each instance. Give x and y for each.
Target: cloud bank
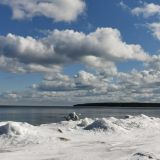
(68, 46)
(98, 51)
(58, 10)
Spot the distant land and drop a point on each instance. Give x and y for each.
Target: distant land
(117, 104)
(89, 105)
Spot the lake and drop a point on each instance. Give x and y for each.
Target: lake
(43, 115)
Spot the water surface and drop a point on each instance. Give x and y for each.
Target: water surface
(42, 115)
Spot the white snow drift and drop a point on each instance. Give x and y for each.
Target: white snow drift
(131, 138)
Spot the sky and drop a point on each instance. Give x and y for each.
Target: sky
(64, 52)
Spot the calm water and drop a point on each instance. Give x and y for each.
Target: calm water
(41, 115)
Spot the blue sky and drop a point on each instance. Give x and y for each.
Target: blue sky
(60, 52)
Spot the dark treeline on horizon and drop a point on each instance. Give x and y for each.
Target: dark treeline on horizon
(118, 104)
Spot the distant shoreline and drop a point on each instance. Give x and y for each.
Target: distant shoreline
(91, 105)
(112, 104)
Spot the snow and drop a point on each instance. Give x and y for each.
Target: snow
(131, 138)
(14, 128)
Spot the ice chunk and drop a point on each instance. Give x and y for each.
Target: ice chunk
(84, 122)
(72, 116)
(144, 156)
(101, 124)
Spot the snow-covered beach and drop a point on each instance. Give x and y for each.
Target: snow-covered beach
(132, 138)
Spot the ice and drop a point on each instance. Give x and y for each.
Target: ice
(144, 156)
(85, 122)
(103, 124)
(131, 138)
(14, 128)
(16, 134)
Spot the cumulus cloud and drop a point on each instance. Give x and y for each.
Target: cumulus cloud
(14, 66)
(68, 46)
(56, 82)
(147, 10)
(58, 10)
(11, 65)
(10, 96)
(88, 81)
(154, 63)
(102, 66)
(104, 42)
(86, 86)
(26, 49)
(142, 85)
(81, 81)
(42, 68)
(98, 51)
(155, 29)
(137, 80)
(134, 86)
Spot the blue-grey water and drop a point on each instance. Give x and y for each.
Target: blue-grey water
(43, 115)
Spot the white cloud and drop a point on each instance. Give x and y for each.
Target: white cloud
(13, 96)
(154, 63)
(101, 65)
(58, 10)
(88, 81)
(104, 42)
(155, 29)
(27, 49)
(142, 85)
(82, 81)
(147, 10)
(123, 5)
(43, 68)
(91, 87)
(11, 65)
(68, 46)
(14, 66)
(98, 51)
(56, 82)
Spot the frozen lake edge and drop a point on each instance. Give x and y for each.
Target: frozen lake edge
(133, 138)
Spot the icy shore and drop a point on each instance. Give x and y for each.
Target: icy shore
(132, 138)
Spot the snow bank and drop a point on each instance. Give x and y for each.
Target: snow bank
(15, 129)
(102, 124)
(18, 134)
(118, 125)
(131, 138)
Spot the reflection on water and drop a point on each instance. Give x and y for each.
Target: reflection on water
(41, 115)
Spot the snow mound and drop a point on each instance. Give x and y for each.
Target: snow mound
(15, 128)
(130, 138)
(18, 134)
(102, 124)
(85, 122)
(127, 124)
(138, 122)
(144, 156)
